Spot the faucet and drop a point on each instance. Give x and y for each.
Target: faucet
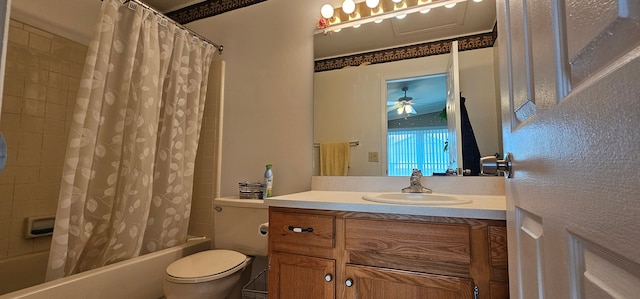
(414, 183)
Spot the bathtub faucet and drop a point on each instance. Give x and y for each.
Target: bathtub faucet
(414, 183)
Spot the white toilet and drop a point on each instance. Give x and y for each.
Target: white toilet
(217, 273)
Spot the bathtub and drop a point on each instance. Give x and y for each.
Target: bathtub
(32, 269)
(139, 277)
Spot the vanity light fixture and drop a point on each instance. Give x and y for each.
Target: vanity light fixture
(374, 11)
(326, 11)
(348, 6)
(372, 3)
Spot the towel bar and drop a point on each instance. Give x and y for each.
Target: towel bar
(351, 143)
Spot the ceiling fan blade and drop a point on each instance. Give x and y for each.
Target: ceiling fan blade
(394, 106)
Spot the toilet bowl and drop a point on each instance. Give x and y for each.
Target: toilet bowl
(221, 273)
(206, 274)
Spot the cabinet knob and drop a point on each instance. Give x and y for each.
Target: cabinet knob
(348, 282)
(328, 278)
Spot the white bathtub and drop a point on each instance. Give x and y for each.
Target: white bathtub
(140, 277)
(23, 271)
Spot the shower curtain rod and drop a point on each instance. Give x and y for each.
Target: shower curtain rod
(217, 46)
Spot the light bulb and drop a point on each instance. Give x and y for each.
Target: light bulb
(450, 5)
(348, 6)
(400, 17)
(356, 26)
(378, 21)
(326, 11)
(372, 3)
(396, 1)
(425, 10)
(337, 30)
(400, 110)
(477, 0)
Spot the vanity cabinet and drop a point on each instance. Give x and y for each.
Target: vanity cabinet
(334, 254)
(301, 255)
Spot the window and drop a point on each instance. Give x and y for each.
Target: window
(420, 148)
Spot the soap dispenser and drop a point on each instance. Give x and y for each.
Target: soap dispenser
(268, 182)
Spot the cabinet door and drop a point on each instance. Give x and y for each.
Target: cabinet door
(382, 283)
(295, 276)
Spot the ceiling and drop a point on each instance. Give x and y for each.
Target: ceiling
(465, 18)
(429, 94)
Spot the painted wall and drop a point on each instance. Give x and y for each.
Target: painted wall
(268, 96)
(351, 105)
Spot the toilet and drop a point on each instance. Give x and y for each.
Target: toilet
(221, 272)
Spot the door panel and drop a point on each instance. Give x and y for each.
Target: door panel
(380, 283)
(522, 94)
(600, 273)
(296, 276)
(602, 32)
(571, 112)
(454, 118)
(529, 240)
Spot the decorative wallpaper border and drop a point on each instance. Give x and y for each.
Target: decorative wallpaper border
(465, 43)
(207, 9)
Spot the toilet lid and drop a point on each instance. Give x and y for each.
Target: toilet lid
(206, 265)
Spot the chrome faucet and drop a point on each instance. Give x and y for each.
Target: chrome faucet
(414, 183)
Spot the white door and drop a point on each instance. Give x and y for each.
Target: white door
(570, 87)
(453, 110)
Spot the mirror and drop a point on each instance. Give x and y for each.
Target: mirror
(350, 102)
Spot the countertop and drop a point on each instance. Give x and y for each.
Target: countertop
(481, 207)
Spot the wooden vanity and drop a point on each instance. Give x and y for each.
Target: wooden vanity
(319, 253)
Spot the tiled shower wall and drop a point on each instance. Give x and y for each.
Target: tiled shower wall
(201, 222)
(42, 75)
(40, 85)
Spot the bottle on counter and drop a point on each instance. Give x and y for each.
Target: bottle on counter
(268, 182)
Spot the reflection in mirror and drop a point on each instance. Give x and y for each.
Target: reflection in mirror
(417, 133)
(350, 83)
(350, 104)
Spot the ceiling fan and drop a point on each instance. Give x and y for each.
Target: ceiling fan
(403, 105)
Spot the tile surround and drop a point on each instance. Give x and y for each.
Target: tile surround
(42, 74)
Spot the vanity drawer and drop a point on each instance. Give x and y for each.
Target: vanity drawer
(409, 245)
(310, 230)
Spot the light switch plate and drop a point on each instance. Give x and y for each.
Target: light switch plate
(373, 156)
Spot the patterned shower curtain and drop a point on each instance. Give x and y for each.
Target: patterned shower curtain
(128, 173)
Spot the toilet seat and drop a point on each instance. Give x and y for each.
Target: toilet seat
(206, 266)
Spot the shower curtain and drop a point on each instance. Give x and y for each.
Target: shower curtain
(128, 172)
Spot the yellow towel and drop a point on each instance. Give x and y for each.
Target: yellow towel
(334, 158)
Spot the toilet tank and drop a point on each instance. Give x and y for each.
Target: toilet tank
(236, 225)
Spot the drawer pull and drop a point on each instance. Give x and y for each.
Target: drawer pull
(348, 282)
(328, 278)
(300, 229)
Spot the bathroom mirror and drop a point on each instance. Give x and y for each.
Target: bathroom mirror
(350, 103)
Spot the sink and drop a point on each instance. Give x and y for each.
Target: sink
(415, 198)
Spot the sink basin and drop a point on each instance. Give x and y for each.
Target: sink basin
(415, 198)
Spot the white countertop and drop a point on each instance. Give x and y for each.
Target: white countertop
(481, 207)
